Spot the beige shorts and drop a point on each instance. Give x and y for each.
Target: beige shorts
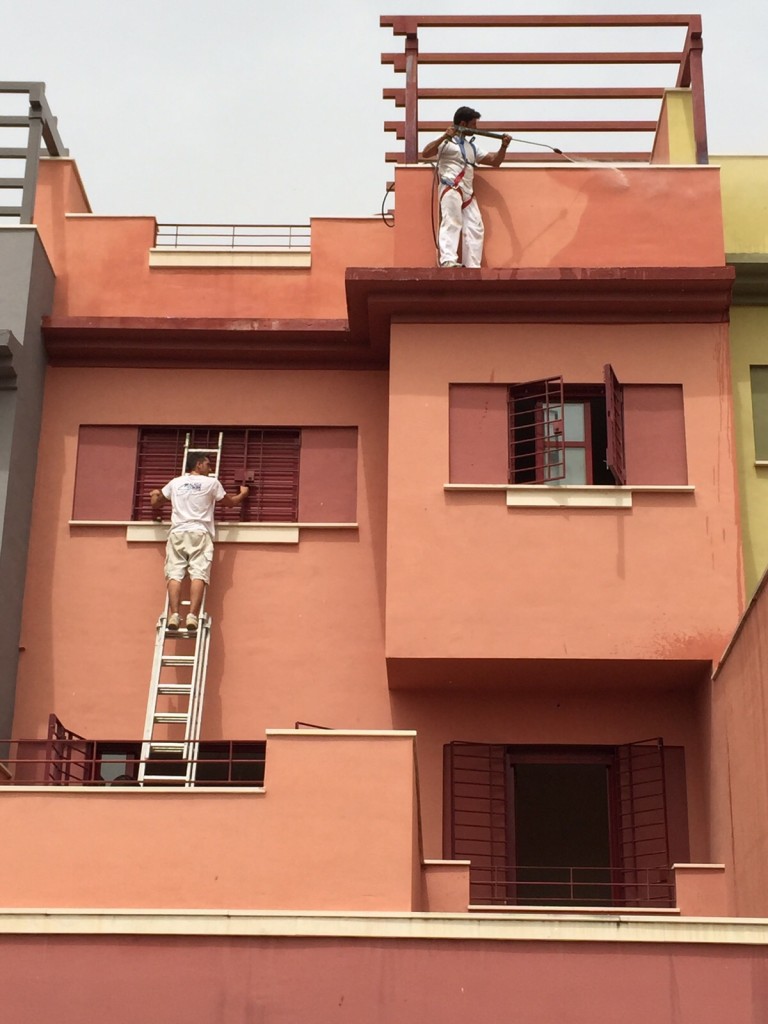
(189, 551)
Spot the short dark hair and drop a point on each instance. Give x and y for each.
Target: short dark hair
(465, 114)
(192, 460)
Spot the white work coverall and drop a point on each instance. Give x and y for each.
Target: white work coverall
(459, 213)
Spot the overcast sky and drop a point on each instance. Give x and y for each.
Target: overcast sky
(270, 111)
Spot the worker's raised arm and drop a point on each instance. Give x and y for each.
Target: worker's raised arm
(496, 159)
(230, 500)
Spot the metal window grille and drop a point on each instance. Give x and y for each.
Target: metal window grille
(536, 432)
(477, 815)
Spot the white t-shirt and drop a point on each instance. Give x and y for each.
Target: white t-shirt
(450, 162)
(193, 499)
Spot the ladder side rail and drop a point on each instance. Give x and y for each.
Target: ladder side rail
(154, 685)
(196, 709)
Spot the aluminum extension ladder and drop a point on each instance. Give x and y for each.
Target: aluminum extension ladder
(174, 760)
(166, 754)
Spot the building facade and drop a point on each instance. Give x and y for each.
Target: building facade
(483, 726)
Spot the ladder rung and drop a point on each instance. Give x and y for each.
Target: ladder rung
(167, 748)
(174, 689)
(178, 659)
(171, 717)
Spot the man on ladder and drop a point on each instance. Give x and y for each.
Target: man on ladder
(189, 549)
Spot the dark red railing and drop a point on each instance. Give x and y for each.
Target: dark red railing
(65, 759)
(233, 236)
(687, 60)
(524, 885)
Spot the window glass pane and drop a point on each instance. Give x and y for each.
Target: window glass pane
(575, 467)
(574, 421)
(759, 378)
(554, 415)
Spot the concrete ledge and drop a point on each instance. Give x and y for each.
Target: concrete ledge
(541, 927)
(190, 257)
(571, 495)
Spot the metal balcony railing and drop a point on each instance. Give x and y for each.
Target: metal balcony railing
(524, 885)
(260, 237)
(64, 758)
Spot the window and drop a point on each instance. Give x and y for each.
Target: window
(305, 475)
(759, 382)
(550, 432)
(559, 435)
(268, 458)
(567, 825)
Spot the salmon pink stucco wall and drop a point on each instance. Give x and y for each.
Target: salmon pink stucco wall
(577, 215)
(577, 711)
(102, 265)
(295, 626)
(281, 980)
(738, 761)
(469, 578)
(332, 831)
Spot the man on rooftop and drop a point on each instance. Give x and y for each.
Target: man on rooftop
(460, 218)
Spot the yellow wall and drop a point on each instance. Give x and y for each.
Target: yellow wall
(744, 184)
(749, 345)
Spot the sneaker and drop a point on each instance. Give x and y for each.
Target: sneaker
(174, 621)
(446, 265)
(191, 623)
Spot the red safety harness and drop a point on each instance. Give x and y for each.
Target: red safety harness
(455, 184)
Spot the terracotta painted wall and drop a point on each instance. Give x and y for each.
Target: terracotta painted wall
(325, 981)
(576, 216)
(738, 760)
(575, 711)
(102, 265)
(333, 831)
(296, 627)
(468, 578)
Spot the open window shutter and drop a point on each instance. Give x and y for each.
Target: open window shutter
(536, 431)
(476, 816)
(642, 830)
(614, 408)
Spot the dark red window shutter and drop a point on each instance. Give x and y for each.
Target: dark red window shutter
(536, 434)
(158, 459)
(272, 460)
(614, 409)
(267, 457)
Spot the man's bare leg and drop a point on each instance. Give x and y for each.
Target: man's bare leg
(174, 596)
(196, 591)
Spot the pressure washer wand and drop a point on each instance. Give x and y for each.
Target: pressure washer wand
(498, 135)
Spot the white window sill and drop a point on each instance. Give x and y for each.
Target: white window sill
(570, 495)
(761, 462)
(226, 533)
